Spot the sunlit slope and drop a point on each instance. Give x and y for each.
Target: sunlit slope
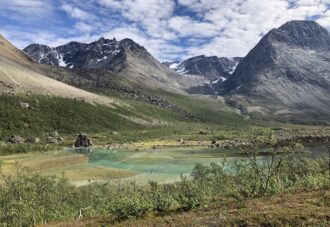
(20, 75)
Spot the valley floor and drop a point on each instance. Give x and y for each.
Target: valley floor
(311, 208)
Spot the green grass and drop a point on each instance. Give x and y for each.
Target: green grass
(69, 117)
(54, 113)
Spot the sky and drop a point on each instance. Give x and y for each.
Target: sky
(171, 30)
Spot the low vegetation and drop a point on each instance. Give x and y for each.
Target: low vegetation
(29, 199)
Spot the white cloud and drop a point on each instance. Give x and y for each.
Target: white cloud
(27, 7)
(77, 13)
(185, 26)
(151, 15)
(242, 22)
(221, 27)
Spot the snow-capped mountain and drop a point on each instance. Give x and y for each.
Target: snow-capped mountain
(130, 62)
(101, 54)
(211, 68)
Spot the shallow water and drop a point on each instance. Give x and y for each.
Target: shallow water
(168, 165)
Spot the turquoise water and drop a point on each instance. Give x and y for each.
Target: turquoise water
(162, 165)
(167, 165)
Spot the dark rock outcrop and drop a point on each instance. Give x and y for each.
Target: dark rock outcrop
(83, 141)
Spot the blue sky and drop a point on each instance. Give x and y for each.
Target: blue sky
(169, 29)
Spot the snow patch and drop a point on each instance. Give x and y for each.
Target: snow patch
(174, 65)
(61, 62)
(102, 59)
(234, 68)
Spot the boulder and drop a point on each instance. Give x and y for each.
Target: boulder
(53, 134)
(16, 139)
(51, 139)
(24, 105)
(83, 141)
(33, 140)
(202, 132)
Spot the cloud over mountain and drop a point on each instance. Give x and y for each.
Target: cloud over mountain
(169, 29)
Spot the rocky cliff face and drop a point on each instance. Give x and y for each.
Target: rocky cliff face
(102, 54)
(211, 68)
(286, 73)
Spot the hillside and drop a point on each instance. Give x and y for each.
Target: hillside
(285, 75)
(20, 75)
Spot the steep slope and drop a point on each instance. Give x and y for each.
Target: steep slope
(127, 60)
(212, 68)
(286, 74)
(210, 71)
(20, 75)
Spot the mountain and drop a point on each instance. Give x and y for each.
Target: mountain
(19, 74)
(101, 54)
(285, 74)
(126, 59)
(211, 68)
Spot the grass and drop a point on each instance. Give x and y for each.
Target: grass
(54, 113)
(304, 208)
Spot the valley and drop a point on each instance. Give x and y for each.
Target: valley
(102, 131)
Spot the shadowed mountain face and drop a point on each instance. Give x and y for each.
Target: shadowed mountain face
(286, 73)
(211, 68)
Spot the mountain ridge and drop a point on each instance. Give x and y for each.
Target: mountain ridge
(129, 61)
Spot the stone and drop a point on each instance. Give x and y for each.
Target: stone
(83, 141)
(24, 105)
(51, 139)
(16, 139)
(60, 139)
(202, 132)
(33, 140)
(54, 134)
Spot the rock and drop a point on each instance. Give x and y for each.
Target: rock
(83, 141)
(181, 141)
(202, 132)
(213, 142)
(33, 140)
(24, 105)
(54, 134)
(16, 139)
(51, 139)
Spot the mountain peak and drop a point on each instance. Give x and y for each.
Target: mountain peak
(303, 34)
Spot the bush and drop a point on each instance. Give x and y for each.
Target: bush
(32, 199)
(132, 202)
